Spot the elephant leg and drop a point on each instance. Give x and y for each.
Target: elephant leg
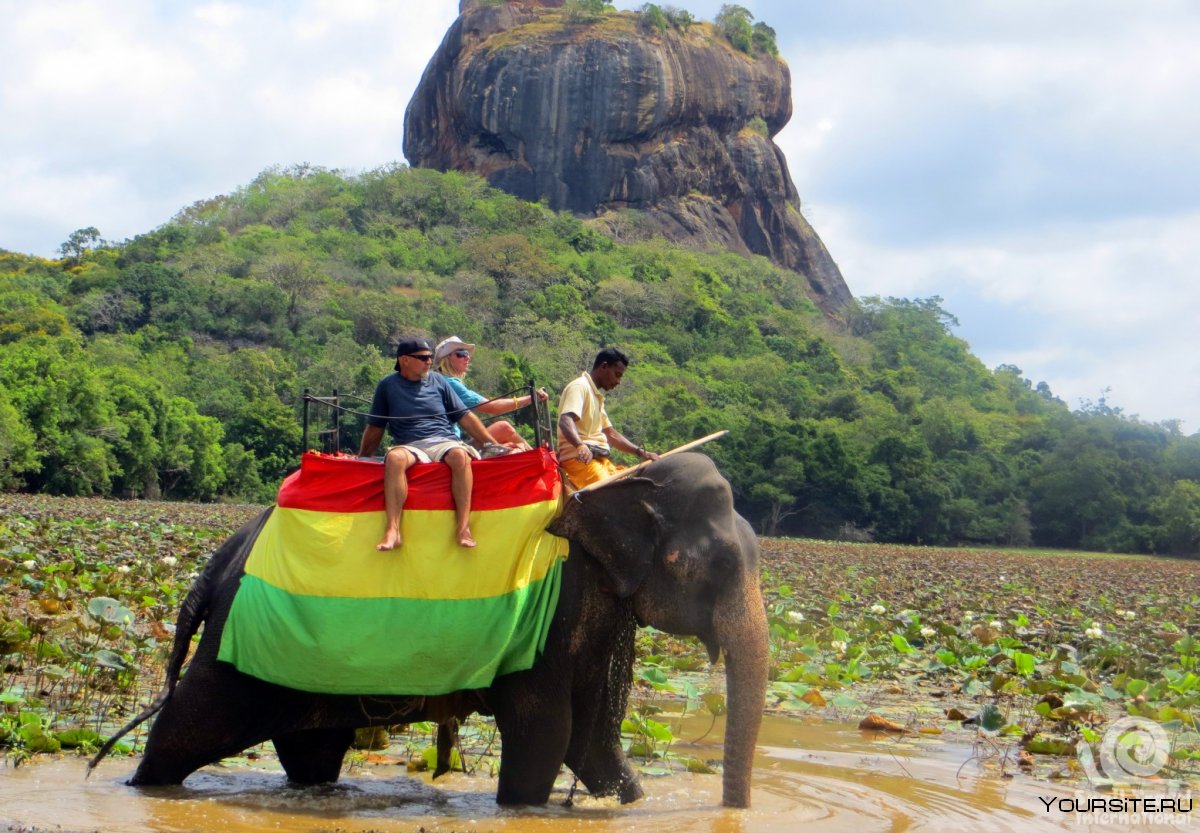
(210, 716)
(599, 761)
(447, 737)
(535, 728)
(313, 756)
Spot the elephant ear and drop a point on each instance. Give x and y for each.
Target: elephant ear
(618, 526)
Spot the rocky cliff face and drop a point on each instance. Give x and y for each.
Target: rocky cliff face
(606, 115)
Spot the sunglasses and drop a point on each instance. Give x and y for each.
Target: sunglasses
(423, 357)
(462, 354)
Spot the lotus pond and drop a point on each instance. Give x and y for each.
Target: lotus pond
(1028, 657)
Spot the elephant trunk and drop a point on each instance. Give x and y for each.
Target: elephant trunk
(741, 628)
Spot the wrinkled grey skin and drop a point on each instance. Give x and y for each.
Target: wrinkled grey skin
(662, 548)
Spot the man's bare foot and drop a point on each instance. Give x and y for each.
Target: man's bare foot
(390, 541)
(466, 539)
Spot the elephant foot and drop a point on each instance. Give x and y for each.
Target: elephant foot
(630, 791)
(313, 756)
(154, 779)
(627, 788)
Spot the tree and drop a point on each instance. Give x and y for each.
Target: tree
(79, 243)
(139, 449)
(1179, 509)
(18, 453)
(517, 266)
(56, 391)
(1075, 493)
(193, 464)
(733, 22)
(24, 313)
(586, 11)
(653, 17)
(293, 275)
(681, 19)
(763, 39)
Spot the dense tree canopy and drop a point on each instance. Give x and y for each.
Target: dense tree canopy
(173, 365)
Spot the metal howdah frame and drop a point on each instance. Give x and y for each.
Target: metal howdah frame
(332, 438)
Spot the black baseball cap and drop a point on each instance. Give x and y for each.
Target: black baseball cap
(410, 346)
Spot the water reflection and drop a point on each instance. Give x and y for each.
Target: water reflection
(821, 777)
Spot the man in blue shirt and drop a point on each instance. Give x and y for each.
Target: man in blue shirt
(419, 410)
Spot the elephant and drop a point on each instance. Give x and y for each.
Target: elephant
(663, 547)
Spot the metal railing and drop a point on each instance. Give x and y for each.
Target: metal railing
(536, 415)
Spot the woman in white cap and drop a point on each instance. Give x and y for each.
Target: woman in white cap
(452, 359)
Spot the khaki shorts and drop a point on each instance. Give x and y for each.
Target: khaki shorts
(432, 451)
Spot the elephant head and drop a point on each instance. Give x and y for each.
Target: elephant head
(670, 540)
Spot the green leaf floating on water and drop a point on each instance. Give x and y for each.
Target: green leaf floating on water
(1024, 663)
(72, 738)
(1049, 745)
(429, 756)
(110, 659)
(110, 610)
(657, 678)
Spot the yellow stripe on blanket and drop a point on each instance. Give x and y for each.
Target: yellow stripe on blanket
(332, 554)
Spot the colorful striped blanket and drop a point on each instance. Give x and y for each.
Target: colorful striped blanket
(320, 609)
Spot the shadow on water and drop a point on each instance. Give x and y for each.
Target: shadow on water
(824, 777)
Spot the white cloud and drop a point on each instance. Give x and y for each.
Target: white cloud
(1109, 305)
(137, 109)
(1043, 182)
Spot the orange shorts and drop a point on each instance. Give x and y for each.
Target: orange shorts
(584, 474)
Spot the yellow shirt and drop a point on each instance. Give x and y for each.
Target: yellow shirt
(582, 398)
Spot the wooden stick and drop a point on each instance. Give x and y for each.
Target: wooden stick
(627, 472)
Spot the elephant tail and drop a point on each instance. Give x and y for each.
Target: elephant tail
(191, 615)
(196, 608)
(144, 715)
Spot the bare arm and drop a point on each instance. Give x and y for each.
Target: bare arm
(474, 426)
(370, 440)
(566, 424)
(509, 403)
(618, 440)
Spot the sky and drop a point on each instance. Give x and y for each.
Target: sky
(1035, 163)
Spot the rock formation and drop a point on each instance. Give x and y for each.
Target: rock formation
(611, 114)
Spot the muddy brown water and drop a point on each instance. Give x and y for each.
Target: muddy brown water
(821, 777)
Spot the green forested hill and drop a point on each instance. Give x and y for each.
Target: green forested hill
(172, 365)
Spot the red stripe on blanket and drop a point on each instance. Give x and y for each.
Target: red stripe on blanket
(332, 483)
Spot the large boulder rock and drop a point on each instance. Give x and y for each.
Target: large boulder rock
(609, 114)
